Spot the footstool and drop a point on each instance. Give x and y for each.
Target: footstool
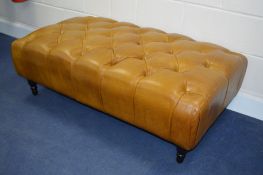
(166, 84)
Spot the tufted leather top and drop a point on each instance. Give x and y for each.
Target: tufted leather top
(167, 84)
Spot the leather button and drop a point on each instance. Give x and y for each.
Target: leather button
(207, 64)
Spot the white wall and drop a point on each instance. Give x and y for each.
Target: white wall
(235, 24)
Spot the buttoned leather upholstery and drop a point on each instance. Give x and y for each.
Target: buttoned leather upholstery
(167, 84)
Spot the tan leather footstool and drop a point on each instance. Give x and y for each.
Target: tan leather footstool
(167, 84)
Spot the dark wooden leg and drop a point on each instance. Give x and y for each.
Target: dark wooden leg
(180, 155)
(33, 87)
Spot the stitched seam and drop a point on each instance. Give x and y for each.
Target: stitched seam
(171, 115)
(199, 116)
(101, 74)
(178, 66)
(133, 97)
(198, 124)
